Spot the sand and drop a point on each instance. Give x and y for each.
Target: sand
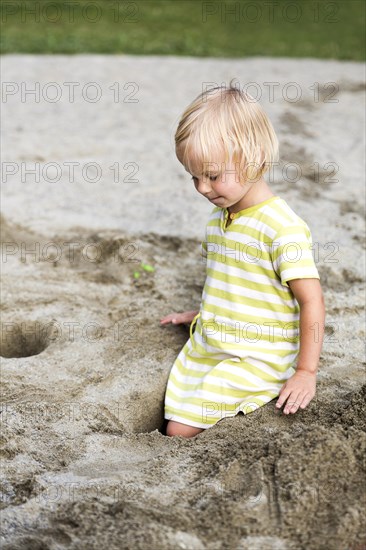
(85, 361)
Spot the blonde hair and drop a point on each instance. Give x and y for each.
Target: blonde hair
(226, 121)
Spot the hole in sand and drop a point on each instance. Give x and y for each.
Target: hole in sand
(23, 339)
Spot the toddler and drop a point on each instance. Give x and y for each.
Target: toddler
(259, 330)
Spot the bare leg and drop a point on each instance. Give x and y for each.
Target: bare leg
(177, 428)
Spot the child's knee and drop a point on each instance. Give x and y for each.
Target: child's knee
(177, 428)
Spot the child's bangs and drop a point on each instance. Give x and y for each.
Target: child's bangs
(205, 151)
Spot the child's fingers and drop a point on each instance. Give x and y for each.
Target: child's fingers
(294, 402)
(305, 402)
(291, 406)
(282, 397)
(286, 395)
(177, 318)
(168, 318)
(171, 318)
(291, 402)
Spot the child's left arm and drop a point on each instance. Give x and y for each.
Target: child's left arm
(299, 390)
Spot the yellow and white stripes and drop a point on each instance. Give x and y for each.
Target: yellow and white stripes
(246, 337)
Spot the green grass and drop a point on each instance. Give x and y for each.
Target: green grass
(177, 27)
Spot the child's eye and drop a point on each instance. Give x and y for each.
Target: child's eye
(212, 178)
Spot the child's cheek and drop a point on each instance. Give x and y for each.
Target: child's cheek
(223, 188)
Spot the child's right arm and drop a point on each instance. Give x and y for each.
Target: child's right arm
(177, 318)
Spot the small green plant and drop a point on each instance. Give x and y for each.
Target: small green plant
(145, 267)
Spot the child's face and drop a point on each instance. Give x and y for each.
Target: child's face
(222, 185)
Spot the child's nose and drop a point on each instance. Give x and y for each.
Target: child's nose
(204, 186)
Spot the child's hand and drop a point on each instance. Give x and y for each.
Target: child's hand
(299, 390)
(177, 318)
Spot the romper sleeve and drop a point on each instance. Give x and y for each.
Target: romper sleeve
(292, 256)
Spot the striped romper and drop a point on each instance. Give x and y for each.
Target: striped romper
(246, 338)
